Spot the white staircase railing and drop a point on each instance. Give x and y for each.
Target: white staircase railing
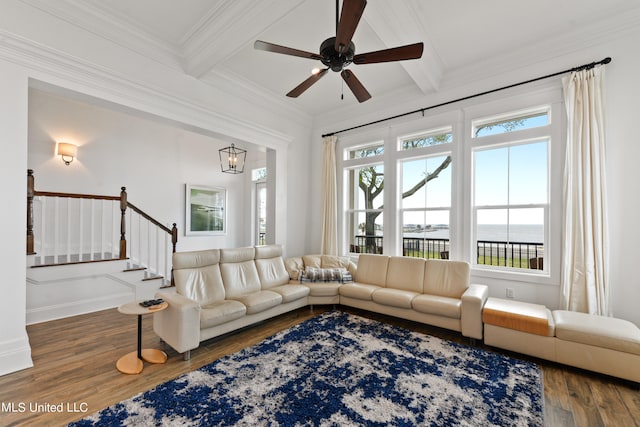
(67, 228)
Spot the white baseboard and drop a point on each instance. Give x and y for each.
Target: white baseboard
(75, 308)
(15, 355)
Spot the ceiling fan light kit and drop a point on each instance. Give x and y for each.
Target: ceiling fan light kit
(338, 52)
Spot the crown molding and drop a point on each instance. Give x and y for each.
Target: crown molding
(109, 25)
(61, 69)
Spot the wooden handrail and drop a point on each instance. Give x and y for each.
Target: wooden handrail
(74, 195)
(148, 218)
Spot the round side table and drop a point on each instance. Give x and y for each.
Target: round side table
(132, 363)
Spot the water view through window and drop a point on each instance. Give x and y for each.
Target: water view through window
(509, 192)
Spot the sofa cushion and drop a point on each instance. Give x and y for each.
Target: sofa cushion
(197, 276)
(268, 251)
(332, 261)
(221, 312)
(294, 267)
(394, 297)
(446, 278)
(372, 269)
(291, 292)
(599, 331)
(358, 290)
(323, 289)
(405, 273)
(237, 254)
(195, 259)
(438, 305)
(239, 278)
(259, 301)
(312, 261)
(239, 272)
(271, 271)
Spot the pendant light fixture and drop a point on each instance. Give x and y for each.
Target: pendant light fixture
(232, 159)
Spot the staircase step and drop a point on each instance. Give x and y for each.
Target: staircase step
(53, 264)
(126, 270)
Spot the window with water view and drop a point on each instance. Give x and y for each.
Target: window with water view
(507, 197)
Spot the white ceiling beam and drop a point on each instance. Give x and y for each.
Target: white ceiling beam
(397, 24)
(227, 28)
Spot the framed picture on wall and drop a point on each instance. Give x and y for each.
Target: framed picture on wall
(206, 210)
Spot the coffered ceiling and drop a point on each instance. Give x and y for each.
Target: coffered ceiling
(212, 40)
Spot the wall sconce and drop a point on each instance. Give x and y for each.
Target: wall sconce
(67, 152)
(232, 159)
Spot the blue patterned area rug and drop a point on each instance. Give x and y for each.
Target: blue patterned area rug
(339, 369)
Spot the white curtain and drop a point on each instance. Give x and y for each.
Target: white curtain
(585, 281)
(329, 197)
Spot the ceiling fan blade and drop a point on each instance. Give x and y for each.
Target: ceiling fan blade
(349, 17)
(410, 51)
(276, 48)
(298, 90)
(356, 87)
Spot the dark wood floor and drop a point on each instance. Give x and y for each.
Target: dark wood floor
(74, 366)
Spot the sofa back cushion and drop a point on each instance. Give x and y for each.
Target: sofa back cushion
(197, 275)
(239, 272)
(372, 269)
(294, 266)
(405, 273)
(446, 278)
(312, 261)
(270, 266)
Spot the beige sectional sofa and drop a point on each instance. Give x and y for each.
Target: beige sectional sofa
(221, 290)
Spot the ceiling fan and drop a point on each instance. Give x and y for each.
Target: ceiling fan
(336, 53)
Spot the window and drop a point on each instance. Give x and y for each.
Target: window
(428, 139)
(425, 196)
(259, 174)
(510, 123)
(511, 196)
(369, 150)
(365, 209)
(481, 183)
(259, 178)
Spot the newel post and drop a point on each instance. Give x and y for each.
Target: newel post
(174, 241)
(174, 236)
(123, 225)
(30, 194)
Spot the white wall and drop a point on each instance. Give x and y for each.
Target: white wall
(15, 353)
(153, 160)
(623, 152)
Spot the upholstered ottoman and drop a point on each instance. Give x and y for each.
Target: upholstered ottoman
(519, 326)
(597, 343)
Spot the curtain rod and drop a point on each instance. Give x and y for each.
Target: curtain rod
(422, 110)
